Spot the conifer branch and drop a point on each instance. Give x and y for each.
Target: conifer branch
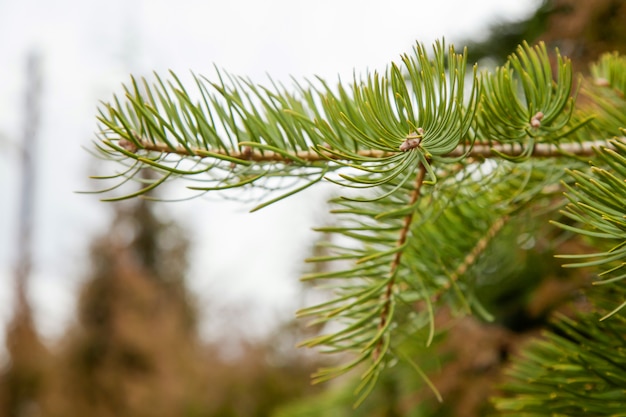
(387, 129)
(404, 233)
(478, 151)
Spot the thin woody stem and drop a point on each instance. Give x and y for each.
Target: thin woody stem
(476, 251)
(404, 234)
(478, 151)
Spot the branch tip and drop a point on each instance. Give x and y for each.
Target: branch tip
(413, 140)
(535, 121)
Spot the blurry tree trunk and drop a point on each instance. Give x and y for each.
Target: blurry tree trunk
(21, 382)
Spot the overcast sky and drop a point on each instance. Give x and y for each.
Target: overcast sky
(89, 48)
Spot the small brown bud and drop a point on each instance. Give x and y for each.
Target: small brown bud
(409, 144)
(413, 140)
(128, 145)
(535, 121)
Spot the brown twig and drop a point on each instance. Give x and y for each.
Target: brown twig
(481, 151)
(404, 233)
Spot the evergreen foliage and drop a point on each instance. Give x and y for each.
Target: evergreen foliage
(576, 370)
(431, 160)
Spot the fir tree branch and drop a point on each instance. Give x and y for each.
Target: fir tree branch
(404, 233)
(397, 240)
(478, 151)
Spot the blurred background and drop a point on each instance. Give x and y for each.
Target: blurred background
(138, 308)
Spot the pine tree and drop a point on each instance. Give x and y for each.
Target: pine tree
(135, 349)
(436, 167)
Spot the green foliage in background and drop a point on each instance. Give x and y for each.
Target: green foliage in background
(577, 369)
(432, 160)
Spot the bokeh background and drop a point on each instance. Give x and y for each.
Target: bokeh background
(206, 274)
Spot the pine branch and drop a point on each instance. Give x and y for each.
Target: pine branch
(411, 145)
(597, 207)
(578, 368)
(477, 151)
(404, 234)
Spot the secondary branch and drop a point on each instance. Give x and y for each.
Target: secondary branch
(404, 234)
